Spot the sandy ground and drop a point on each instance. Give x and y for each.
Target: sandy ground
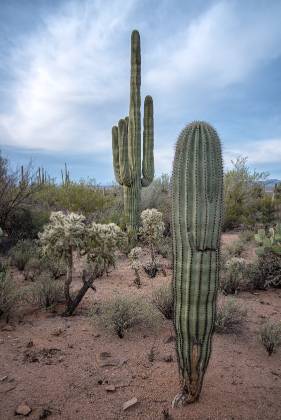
(59, 367)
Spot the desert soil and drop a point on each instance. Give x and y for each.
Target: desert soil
(68, 368)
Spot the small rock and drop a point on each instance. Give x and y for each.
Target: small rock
(46, 412)
(57, 332)
(100, 381)
(1, 341)
(144, 376)
(3, 378)
(96, 335)
(170, 339)
(23, 409)
(168, 358)
(8, 328)
(84, 329)
(105, 355)
(110, 388)
(30, 344)
(129, 403)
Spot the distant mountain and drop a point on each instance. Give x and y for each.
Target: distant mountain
(270, 183)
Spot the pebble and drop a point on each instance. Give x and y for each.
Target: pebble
(129, 403)
(23, 409)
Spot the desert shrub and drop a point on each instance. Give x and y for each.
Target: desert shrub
(233, 275)
(230, 317)
(270, 336)
(269, 270)
(253, 278)
(32, 268)
(156, 196)
(56, 266)
(22, 252)
(26, 223)
(244, 196)
(123, 313)
(162, 299)
(8, 293)
(151, 231)
(83, 196)
(246, 236)
(46, 291)
(165, 247)
(135, 264)
(235, 249)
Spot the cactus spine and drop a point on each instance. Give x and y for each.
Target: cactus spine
(126, 142)
(197, 211)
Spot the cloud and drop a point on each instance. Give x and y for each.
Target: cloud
(267, 151)
(65, 73)
(223, 46)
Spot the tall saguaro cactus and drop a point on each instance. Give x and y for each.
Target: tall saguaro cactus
(197, 211)
(126, 142)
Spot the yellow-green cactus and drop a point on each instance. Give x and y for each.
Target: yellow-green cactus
(197, 211)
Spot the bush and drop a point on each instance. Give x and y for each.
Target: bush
(32, 268)
(270, 336)
(246, 236)
(8, 294)
(123, 313)
(162, 299)
(253, 277)
(22, 252)
(46, 291)
(230, 317)
(25, 223)
(55, 266)
(165, 247)
(235, 249)
(233, 275)
(269, 270)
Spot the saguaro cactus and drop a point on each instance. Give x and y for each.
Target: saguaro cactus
(126, 142)
(197, 211)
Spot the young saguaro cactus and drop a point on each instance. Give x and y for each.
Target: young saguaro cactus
(126, 142)
(197, 211)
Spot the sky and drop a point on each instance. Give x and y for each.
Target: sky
(65, 71)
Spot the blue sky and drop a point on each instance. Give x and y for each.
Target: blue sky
(64, 78)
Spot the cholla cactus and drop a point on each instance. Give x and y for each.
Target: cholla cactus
(64, 234)
(134, 258)
(101, 244)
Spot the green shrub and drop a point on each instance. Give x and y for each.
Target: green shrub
(25, 223)
(270, 336)
(46, 291)
(123, 313)
(235, 249)
(22, 252)
(8, 293)
(233, 275)
(32, 269)
(253, 278)
(246, 236)
(230, 317)
(55, 266)
(165, 247)
(162, 299)
(269, 270)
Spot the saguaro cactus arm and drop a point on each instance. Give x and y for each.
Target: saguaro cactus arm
(148, 143)
(197, 209)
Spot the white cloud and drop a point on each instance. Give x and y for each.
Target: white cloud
(221, 47)
(64, 73)
(267, 151)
